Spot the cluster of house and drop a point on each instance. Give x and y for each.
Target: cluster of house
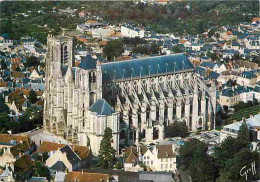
(70, 162)
(236, 81)
(17, 79)
(65, 162)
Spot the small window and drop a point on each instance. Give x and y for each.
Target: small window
(151, 162)
(148, 157)
(170, 165)
(144, 157)
(148, 162)
(161, 166)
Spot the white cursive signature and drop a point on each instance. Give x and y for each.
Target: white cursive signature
(244, 172)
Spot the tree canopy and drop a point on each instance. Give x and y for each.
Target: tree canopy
(106, 157)
(32, 97)
(32, 61)
(113, 49)
(177, 129)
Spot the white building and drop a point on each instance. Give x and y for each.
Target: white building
(130, 31)
(160, 158)
(232, 130)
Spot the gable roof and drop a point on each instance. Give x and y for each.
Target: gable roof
(6, 138)
(71, 156)
(23, 164)
(165, 151)
(145, 67)
(101, 107)
(82, 151)
(131, 155)
(85, 176)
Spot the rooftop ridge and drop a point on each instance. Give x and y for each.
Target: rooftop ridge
(137, 59)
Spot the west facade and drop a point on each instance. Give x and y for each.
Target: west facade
(137, 98)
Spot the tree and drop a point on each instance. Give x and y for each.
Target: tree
(211, 33)
(234, 168)
(3, 65)
(5, 119)
(30, 119)
(32, 97)
(154, 48)
(3, 107)
(32, 61)
(106, 157)
(140, 49)
(192, 150)
(175, 129)
(228, 148)
(244, 136)
(113, 49)
(40, 170)
(176, 49)
(203, 170)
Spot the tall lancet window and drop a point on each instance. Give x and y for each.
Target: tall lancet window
(64, 54)
(51, 53)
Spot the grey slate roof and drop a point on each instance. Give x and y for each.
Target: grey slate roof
(72, 157)
(101, 107)
(145, 66)
(59, 166)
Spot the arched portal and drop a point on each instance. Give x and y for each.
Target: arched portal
(88, 141)
(143, 133)
(75, 139)
(155, 133)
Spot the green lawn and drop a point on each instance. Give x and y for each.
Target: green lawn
(244, 113)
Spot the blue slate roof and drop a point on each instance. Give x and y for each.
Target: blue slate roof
(88, 63)
(228, 92)
(247, 74)
(200, 71)
(101, 107)
(206, 64)
(145, 66)
(213, 75)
